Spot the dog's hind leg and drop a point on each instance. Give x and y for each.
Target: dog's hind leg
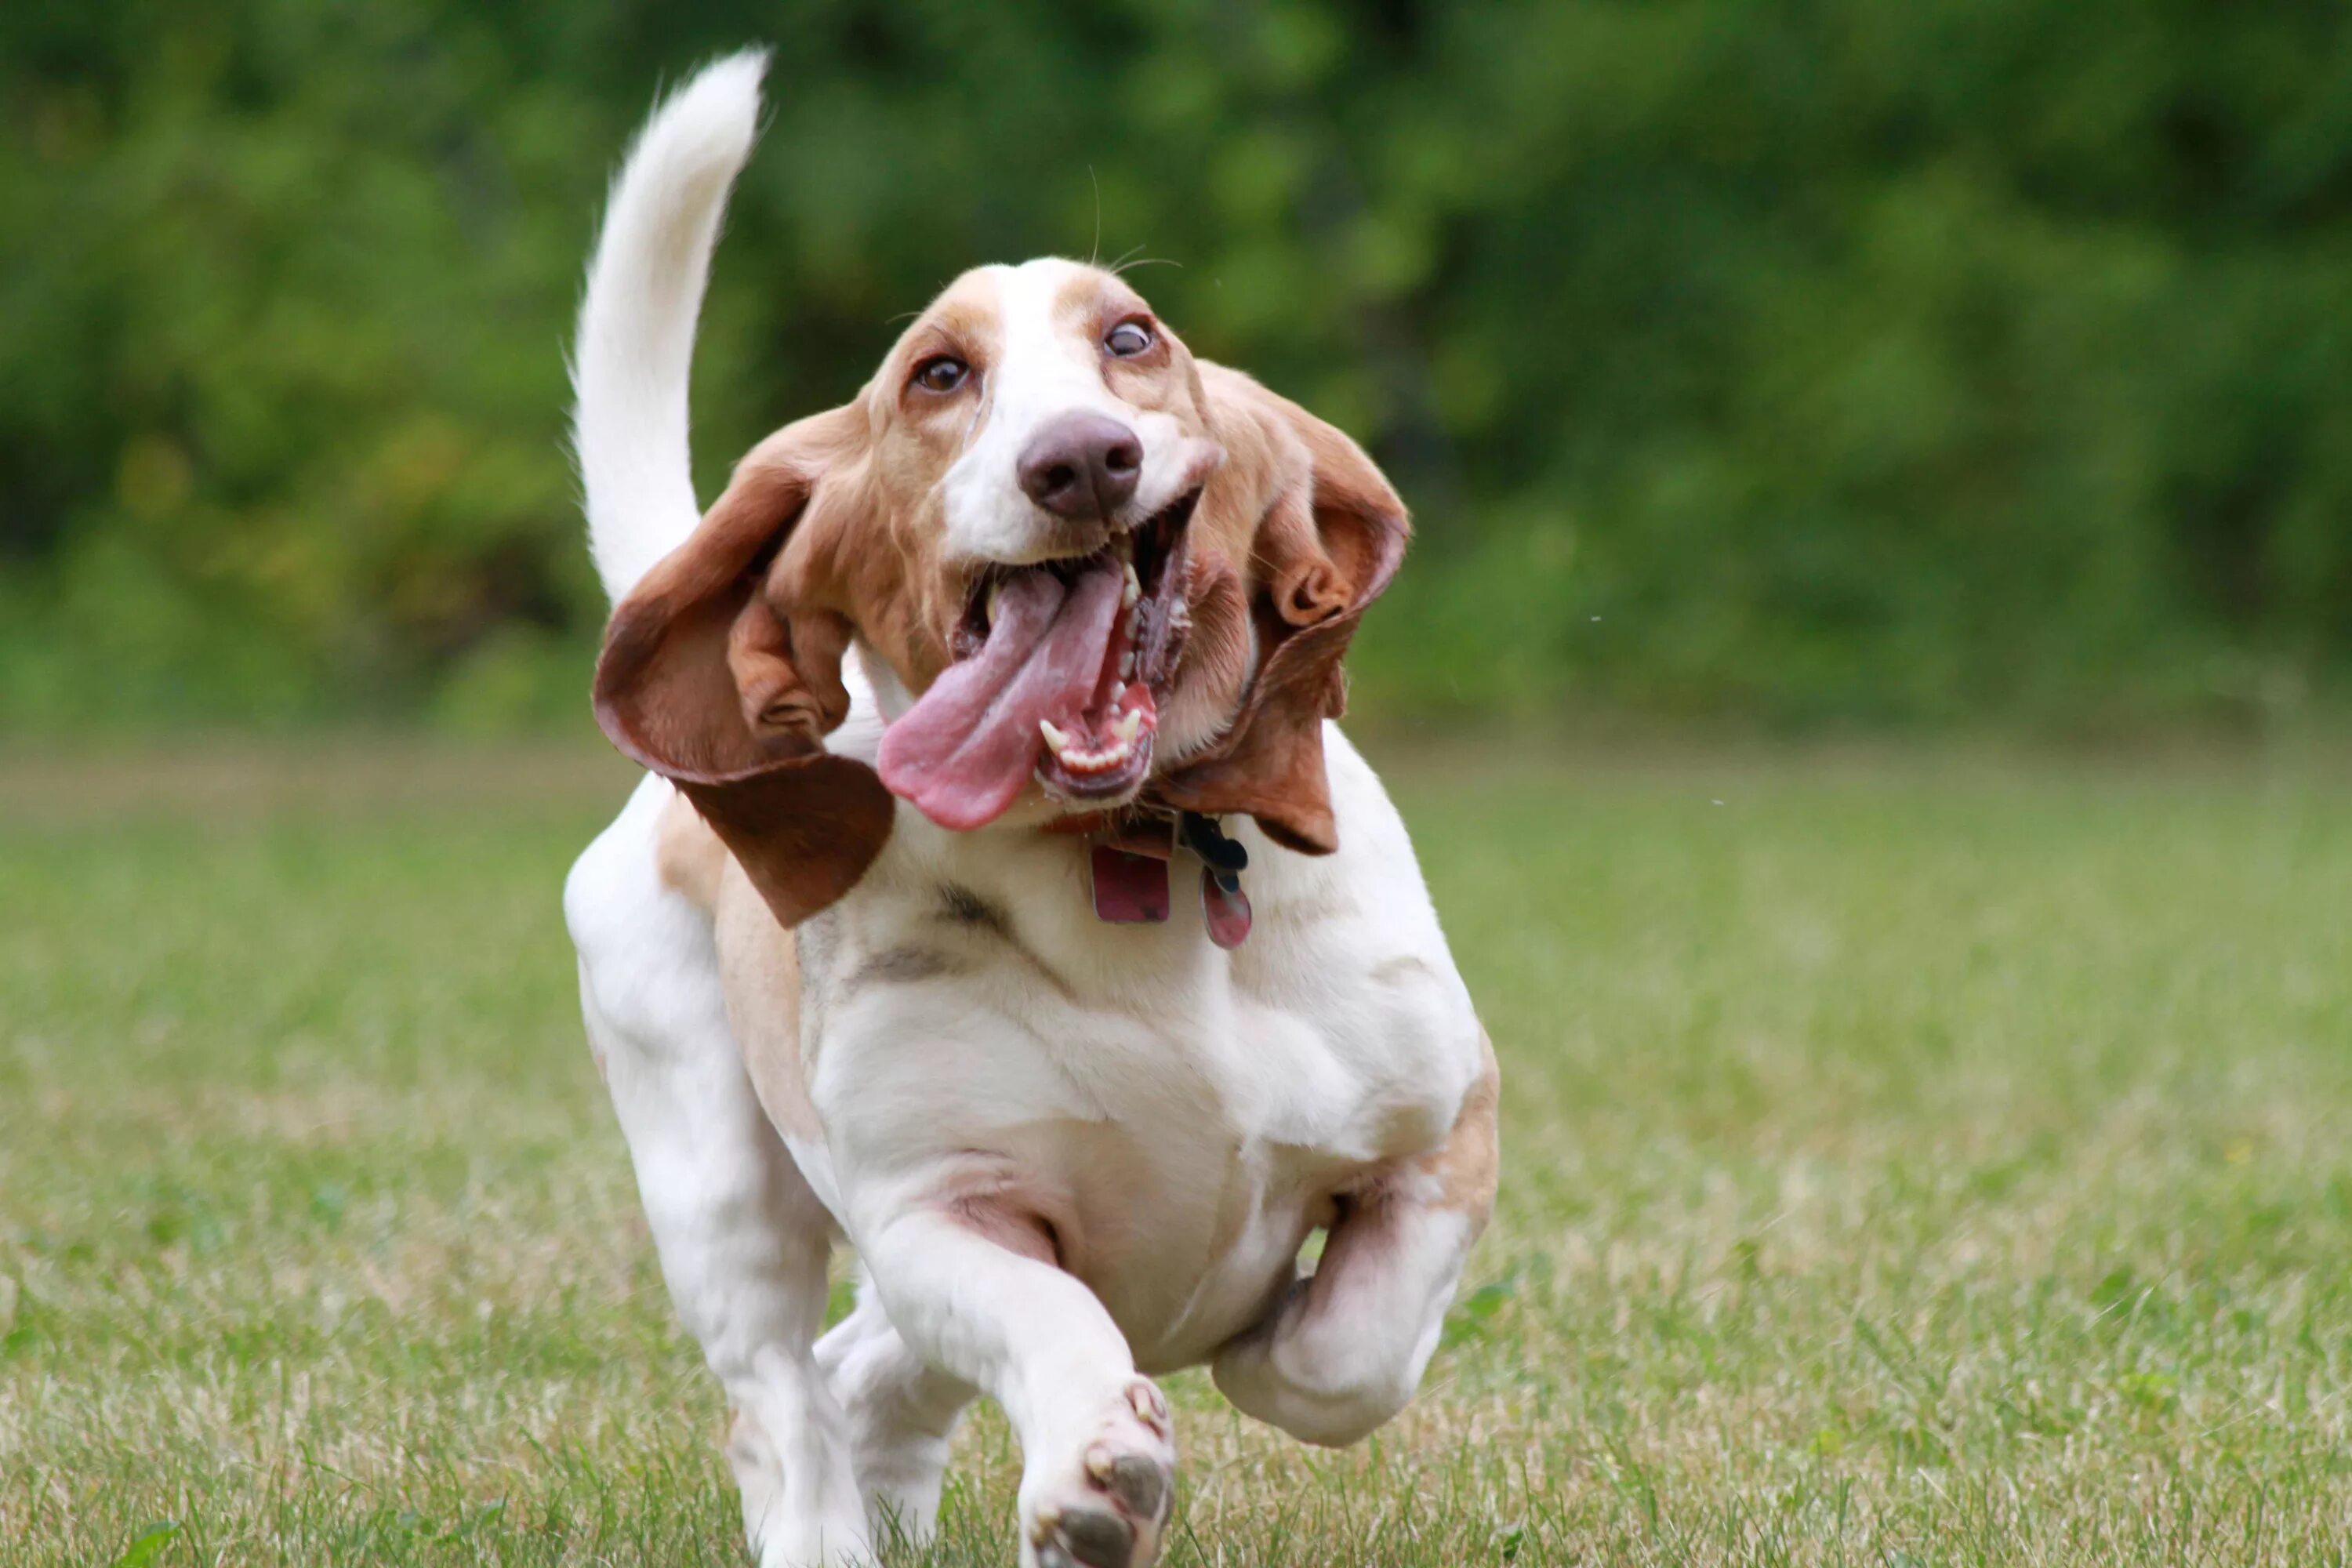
(743, 1241)
(1346, 1348)
(902, 1414)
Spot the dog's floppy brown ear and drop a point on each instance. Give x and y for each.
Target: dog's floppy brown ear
(718, 676)
(1325, 548)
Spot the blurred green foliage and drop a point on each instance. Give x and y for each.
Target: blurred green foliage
(1845, 360)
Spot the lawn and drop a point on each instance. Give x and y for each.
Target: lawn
(1908, 1161)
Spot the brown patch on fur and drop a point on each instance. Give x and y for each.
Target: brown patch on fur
(1078, 304)
(1217, 650)
(1091, 301)
(728, 689)
(1468, 1165)
(760, 973)
(965, 321)
(1321, 533)
(688, 856)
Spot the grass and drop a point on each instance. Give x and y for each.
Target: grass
(1922, 1161)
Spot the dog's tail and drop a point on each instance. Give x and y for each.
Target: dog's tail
(630, 362)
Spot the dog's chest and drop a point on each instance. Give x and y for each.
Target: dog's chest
(1184, 1114)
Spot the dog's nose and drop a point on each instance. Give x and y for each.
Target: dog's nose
(1082, 467)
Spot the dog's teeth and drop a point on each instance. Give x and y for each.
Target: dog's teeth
(1135, 624)
(1127, 726)
(1099, 760)
(1126, 666)
(1118, 690)
(995, 592)
(1055, 741)
(1134, 589)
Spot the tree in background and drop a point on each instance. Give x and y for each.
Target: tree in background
(1840, 361)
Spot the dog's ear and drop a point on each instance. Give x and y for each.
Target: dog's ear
(1330, 538)
(720, 674)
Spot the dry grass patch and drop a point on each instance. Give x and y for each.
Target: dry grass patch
(1904, 1163)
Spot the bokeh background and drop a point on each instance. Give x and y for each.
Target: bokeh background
(1883, 473)
(1975, 362)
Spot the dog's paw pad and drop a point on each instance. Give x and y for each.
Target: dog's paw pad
(1112, 1513)
(1137, 1483)
(1083, 1537)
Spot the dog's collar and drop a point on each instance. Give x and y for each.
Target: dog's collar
(1129, 861)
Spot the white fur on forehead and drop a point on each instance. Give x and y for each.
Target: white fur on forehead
(1037, 284)
(1033, 336)
(1046, 366)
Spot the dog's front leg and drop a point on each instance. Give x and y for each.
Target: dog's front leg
(973, 1288)
(1346, 1348)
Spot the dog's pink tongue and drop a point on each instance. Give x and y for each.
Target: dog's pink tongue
(963, 753)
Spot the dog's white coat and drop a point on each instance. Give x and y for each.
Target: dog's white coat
(1185, 1113)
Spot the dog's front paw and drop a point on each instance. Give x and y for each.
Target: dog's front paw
(1109, 1509)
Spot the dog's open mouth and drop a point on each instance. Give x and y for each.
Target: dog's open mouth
(1060, 669)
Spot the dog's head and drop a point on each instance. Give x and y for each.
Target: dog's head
(1089, 569)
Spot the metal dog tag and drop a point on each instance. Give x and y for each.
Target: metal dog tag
(1130, 889)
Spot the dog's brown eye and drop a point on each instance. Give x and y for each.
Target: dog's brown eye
(941, 372)
(1127, 339)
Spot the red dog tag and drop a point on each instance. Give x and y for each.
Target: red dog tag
(1226, 910)
(1130, 889)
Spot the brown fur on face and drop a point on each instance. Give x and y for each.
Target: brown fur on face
(722, 669)
(1321, 532)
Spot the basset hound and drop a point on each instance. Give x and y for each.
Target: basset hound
(1002, 897)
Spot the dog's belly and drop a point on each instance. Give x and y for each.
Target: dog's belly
(1179, 1167)
(1185, 1246)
